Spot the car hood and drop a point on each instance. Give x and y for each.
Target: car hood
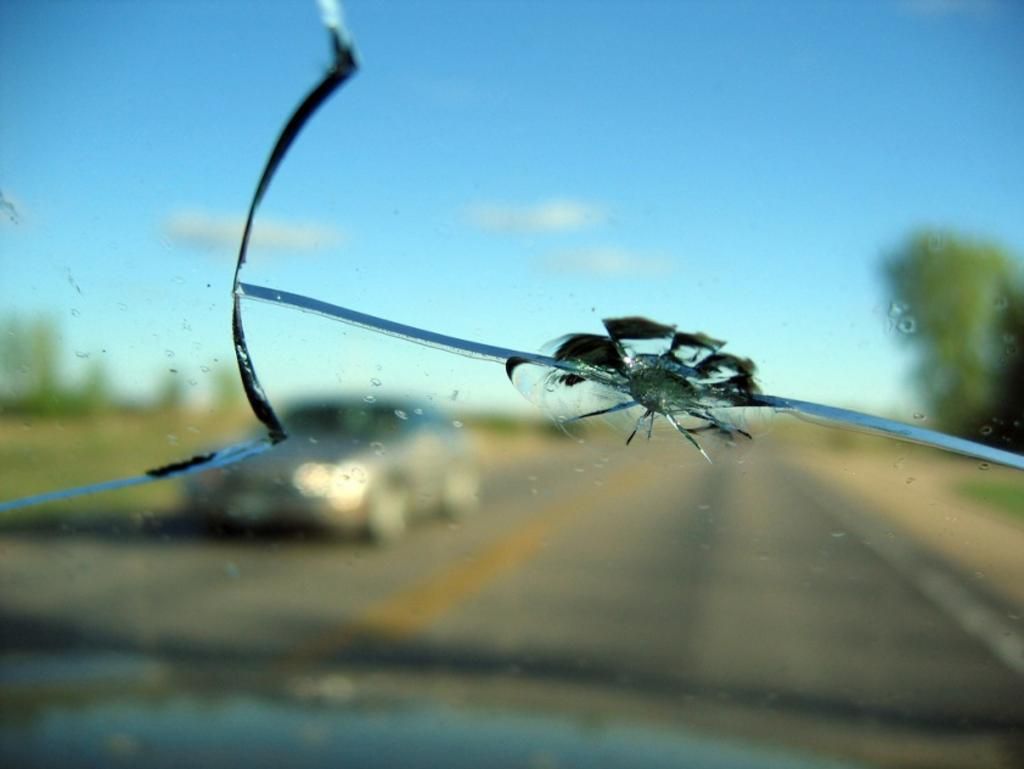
(108, 709)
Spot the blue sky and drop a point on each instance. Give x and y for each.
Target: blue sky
(507, 172)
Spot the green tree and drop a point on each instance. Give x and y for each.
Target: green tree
(95, 393)
(1011, 393)
(227, 389)
(29, 357)
(30, 376)
(960, 303)
(15, 360)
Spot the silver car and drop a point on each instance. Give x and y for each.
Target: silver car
(347, 467)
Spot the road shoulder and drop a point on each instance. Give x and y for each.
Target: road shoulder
(916, 492)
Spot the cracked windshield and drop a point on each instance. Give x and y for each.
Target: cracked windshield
(502, 384)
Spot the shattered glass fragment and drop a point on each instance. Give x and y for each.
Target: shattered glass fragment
(689, 379)
(693, 379)
(589, 362)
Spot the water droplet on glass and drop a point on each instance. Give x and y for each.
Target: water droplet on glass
(205, 369)
(907, 325)
(169, 353)
(193, 382)
(897, 308)
(456, 423)
(918, 415)
(76, 313)
(984, 466)
(122, 306)
(375, 382)
(838, 534)
(986, 429)
(378, 448)
(401, 414)
(369, 399)
(418, 412)
(910, 480)
(81, 354)
(172, 439)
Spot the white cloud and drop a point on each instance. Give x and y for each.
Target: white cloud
(607, 262)
(213, 232)
(555, 215)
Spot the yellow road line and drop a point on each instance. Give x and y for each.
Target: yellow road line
(409, 611)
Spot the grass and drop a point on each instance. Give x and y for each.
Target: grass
(1002, 495)
(40, 455)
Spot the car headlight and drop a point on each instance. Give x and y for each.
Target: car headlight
(344, 486)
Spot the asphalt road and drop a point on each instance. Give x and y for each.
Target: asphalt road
(746, 598)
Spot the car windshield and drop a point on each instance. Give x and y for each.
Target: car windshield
(512, 384)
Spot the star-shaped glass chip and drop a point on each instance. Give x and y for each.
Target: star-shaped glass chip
(650, 367)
